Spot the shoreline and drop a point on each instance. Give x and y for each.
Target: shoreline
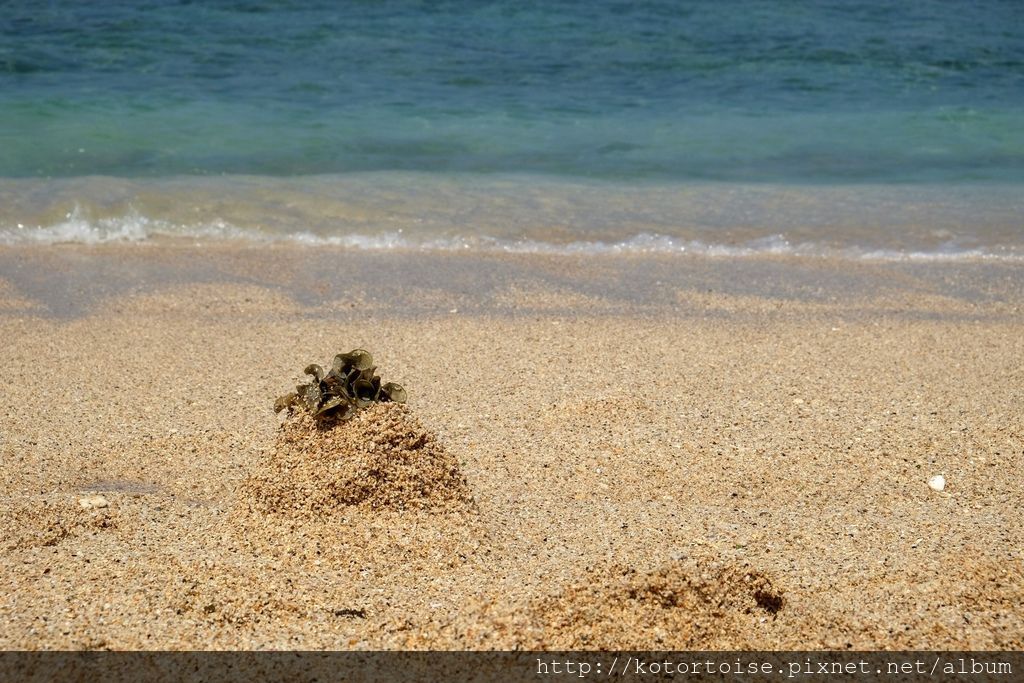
(72, 280)
(524, 213)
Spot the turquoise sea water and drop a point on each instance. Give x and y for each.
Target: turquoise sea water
(129, 116)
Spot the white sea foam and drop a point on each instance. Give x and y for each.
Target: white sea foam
(136, 228)
(77, 229)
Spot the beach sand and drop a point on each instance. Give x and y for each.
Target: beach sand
(658, 453)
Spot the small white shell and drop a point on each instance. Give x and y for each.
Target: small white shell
(93, 502)
(937, 483)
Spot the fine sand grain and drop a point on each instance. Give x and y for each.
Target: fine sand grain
(712, 470)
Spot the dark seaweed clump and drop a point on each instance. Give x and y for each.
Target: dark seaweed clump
(351, 383)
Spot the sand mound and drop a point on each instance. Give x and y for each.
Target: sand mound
(382, 458)
(683, 605)
(679, 606)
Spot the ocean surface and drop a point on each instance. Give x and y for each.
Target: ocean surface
(863, 128)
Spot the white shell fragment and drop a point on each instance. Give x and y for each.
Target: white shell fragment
(93, 502)
(937, 483)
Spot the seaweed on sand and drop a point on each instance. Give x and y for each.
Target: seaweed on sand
(351, 383)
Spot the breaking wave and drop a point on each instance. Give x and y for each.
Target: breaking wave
(133, 227)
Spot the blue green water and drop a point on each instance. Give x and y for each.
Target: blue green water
(633, 94)
(745, 90)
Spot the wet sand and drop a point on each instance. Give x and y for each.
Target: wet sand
(659, 452)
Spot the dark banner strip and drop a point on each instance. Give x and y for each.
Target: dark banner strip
(327, 667)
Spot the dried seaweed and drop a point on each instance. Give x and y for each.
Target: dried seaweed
(350, 384)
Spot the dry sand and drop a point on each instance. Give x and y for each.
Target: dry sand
(738, 469)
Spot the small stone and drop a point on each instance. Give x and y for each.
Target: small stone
(93, 502)
(937, 483)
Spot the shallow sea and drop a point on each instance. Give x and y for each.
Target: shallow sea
(865, 129)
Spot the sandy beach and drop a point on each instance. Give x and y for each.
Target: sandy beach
(658, 453)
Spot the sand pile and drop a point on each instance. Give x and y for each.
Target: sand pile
(382, 458)
(683, 605)
(679, 606)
